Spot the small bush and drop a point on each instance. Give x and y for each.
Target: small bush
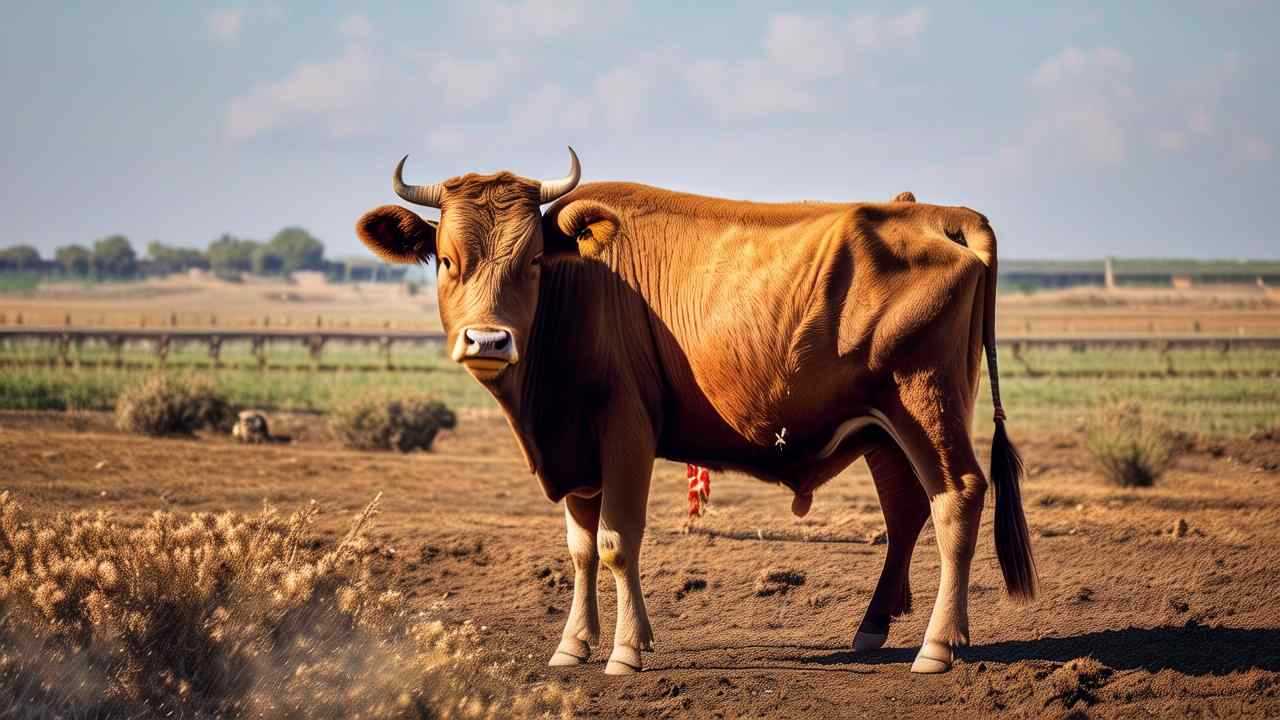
(379, 423)
(1131, 451)
(164, 405)
(226, 616)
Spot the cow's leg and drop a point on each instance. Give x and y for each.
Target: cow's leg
(582, 630)
(906, 507)
(932, 425)
(622, 523)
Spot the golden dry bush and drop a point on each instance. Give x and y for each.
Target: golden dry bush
(167, 405)
(1129, 449)
(227, 616)
(379, 422)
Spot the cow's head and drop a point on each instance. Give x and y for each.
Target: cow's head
(487, 248)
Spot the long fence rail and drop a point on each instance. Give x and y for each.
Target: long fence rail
(70, 342)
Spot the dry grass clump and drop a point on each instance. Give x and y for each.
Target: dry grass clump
(226, 616)
(777, 581)
(376, 422)
(164, 405)
(1077, 681)
(1130, 450)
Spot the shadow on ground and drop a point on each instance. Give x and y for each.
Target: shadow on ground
(1191, 650)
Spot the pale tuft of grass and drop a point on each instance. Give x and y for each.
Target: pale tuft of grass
(228, 616)
(172, 405)
(378, 422)
(1129, 449)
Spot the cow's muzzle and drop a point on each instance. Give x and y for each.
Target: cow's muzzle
(486, 351)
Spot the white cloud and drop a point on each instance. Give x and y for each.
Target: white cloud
(224, 24)
(337, 91)
(356, 28)
(807, 45)
(1084, 100)
(747, 88)
(548, 109)
(465, 83)
(543, 19)
(798, 50)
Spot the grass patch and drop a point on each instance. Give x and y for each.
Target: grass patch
(214, 616)
(381, 422)
(1129, 450)
(168, 405)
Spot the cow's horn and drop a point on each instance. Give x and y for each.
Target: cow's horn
(428, 195)
(554, 189)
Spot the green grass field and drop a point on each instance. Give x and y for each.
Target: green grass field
(1044, 391)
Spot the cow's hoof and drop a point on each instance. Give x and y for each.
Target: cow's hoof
(571, 651)
(623, 661)
(867, 641)
(934, 657)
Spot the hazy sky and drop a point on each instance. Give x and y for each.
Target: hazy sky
(1152, 129)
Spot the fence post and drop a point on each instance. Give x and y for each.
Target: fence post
(162, 350)
(384, 344)
(315, 346)
(64, 348)
(215, 350)
(116, 343)
(259, 349)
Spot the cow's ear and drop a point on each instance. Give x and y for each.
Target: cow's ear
(904, 196)
(581, 227)
(397, 235)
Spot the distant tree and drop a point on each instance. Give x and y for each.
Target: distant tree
(266, 261)
(20, 258)
(113, 256)
(167, 259)
(297, 250)
(75, 260)
(230, 254)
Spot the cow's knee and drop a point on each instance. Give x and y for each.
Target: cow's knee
(614, 552)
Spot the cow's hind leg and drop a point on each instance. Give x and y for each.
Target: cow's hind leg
(932, 426)
(906, 507)
(582, 630)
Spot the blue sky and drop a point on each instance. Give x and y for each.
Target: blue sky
(1080, 130)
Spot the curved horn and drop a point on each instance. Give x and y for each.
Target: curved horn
(554, 189)
(428, 195)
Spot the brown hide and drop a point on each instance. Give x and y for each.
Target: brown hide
(740, 334)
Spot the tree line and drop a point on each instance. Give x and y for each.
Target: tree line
(291, 250)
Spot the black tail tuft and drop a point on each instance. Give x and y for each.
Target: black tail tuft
(1013, 540)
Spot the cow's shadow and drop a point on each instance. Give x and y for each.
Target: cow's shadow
(1191, 650)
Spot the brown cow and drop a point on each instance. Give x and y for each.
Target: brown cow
(781, 340)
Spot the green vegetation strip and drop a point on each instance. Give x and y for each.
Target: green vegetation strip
(1172, 387)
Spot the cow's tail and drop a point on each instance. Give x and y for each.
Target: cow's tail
(1013, 539)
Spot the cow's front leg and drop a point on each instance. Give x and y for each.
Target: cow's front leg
(582, 630)
(622, 523)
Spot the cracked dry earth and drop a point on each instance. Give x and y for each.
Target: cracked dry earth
(1159, 602)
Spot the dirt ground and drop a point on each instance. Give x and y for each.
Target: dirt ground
(1172, 591)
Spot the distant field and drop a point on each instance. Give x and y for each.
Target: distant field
(1195, 390)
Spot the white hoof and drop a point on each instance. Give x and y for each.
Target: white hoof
(571, 651)
(623, 661)
(934, 657)
(868, 641)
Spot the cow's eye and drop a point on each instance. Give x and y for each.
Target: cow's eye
(585, 235)
(537, 260)
(446, 263)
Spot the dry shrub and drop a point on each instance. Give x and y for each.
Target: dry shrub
(377, 422)
(226, 616)
(164, 405)
(1130, 450)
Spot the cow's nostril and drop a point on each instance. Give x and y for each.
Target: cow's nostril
(501, 343)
